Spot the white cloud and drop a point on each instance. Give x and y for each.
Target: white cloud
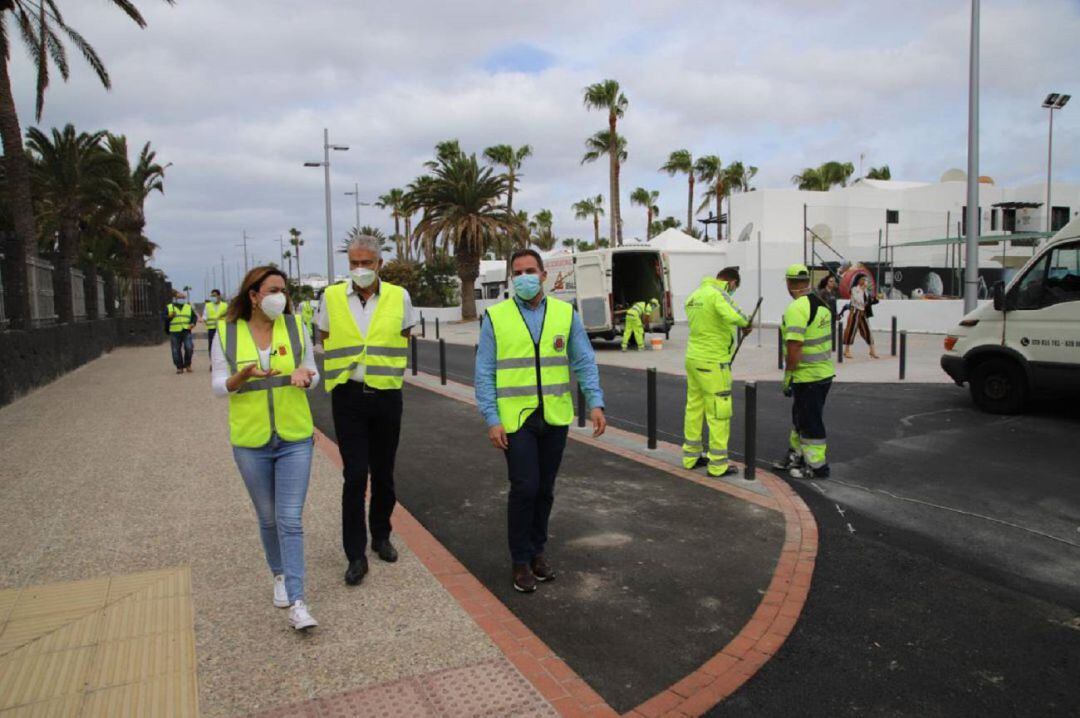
(236, 95)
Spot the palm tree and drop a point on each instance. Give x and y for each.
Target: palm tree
(712, 173)
(72, 175)
(681, 161)
(42, 29)
(570, 243)
(543, 237)
(879, 173)
(288, 261)
(606, 96)
(296, 242)
(590, 208)
(824, 177)
(444, 152)
(644, 198)
(394, 200)
(739, 177)
(135, 184)
(463, 208)
(810, 178)
(511, 159)
(365, 230)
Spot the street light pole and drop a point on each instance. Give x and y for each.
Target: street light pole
(971, 270)
(1053, 101)
(245, 252)
(325, 164)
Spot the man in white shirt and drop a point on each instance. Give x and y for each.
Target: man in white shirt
(366, 410)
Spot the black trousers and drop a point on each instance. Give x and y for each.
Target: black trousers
(368, 426)
(210, 340)
(808, 408)
(532, 461)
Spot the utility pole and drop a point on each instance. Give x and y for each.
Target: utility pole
(971, 270)
(245, 251)
(325, 164)
(281, 250)
(224, 279)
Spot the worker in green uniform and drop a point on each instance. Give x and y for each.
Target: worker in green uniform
(808, 375)
(636, 316)
(715, 320)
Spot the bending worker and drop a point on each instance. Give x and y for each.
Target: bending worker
(714, 321)
(365, 326)
(528, 345)
(636, 316)
(808, 375)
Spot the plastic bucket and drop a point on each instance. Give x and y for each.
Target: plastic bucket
(656, 343)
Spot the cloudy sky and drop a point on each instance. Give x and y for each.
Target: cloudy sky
(235, 93)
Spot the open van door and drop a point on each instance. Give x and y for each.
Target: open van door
(593, 301)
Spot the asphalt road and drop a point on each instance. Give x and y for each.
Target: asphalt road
(995, 496)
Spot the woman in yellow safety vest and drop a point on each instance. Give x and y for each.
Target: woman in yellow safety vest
(263, 361)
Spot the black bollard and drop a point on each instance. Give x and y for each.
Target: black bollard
(580, 406)
(750, 434)
(442, 361)
(840, 346)
(415, 360)
(779, 348)
(903, 354)
(651, 406)
(423, 327)
(436, 327)
(894, 336)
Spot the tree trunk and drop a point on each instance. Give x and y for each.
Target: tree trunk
(468, 267)
(408, 238)
(17, 285)
(510, 194)
(596, 228)
(618, 206)
(69, 244)
(299, 279)
(719, 209)
(648, 223)
(690, 203)
(613, 181)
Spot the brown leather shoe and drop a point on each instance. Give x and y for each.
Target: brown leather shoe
(524, 580)
(542, 569)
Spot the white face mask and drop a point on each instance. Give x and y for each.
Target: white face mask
(363, 277)
(273, 305)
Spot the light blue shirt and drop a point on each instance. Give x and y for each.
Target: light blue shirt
(579, 351)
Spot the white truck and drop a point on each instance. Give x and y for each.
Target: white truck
(603, 283)
(1028, 340)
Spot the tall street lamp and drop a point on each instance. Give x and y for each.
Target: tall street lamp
(356, 194)
(1053, 101)
(325, 164)
(971, 270)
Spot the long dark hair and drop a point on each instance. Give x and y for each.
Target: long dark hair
(240, 307)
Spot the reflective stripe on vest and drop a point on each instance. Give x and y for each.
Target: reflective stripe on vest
(181, 319)
(383, 353)
(253, 419)
(528, 373)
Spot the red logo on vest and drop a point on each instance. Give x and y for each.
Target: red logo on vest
(559, 343)
(282, 351)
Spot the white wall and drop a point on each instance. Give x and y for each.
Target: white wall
(453, 314)
(937, 316)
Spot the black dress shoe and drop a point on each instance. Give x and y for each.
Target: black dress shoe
(356, 571)
(386, 550)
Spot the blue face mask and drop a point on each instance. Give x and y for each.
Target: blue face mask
(527, 286)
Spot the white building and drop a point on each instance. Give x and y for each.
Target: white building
(871, 221)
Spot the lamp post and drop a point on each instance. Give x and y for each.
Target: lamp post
(971, 270)
(1053, 101)
(325, 164)
(355, 194)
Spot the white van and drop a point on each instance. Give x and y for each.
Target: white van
(1029, 340)
(602, 282)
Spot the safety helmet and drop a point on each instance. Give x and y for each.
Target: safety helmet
(797, 271)
(655, 302)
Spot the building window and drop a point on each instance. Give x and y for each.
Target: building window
(993, 220)
(1059, 217)
(892, 216)
(1008, 220)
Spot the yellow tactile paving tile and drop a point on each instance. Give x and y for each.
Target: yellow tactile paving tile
(106, 647)
(73, 596)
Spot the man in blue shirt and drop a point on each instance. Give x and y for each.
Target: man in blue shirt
(534, 447)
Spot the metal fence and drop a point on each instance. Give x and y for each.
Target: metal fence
(134, 297)
(102, 312)
(42, 307)
(78, 294)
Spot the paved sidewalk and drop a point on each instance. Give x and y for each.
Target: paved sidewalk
(754, 362)
(124, 467)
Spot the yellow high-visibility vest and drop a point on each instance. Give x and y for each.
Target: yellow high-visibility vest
(525, 371)
(180, 318)
(384, 352)
(814, 330)
(265, 406)
(215, 311)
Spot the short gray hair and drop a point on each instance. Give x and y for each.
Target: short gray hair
(366, 242)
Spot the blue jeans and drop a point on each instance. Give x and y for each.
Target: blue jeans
(532, 459)
(182, 340)
(277, 477)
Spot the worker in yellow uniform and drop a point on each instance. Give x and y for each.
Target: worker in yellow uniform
(636, 316)
(808, 375)
(180, 320)
(213, 311)
(715, 320)
(307, 313)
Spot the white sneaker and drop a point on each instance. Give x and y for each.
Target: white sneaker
(281, 596)
(299, 618)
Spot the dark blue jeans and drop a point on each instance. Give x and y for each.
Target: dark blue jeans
(182, 341)
(532, 460)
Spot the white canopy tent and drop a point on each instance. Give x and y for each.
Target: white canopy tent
(690, 260)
